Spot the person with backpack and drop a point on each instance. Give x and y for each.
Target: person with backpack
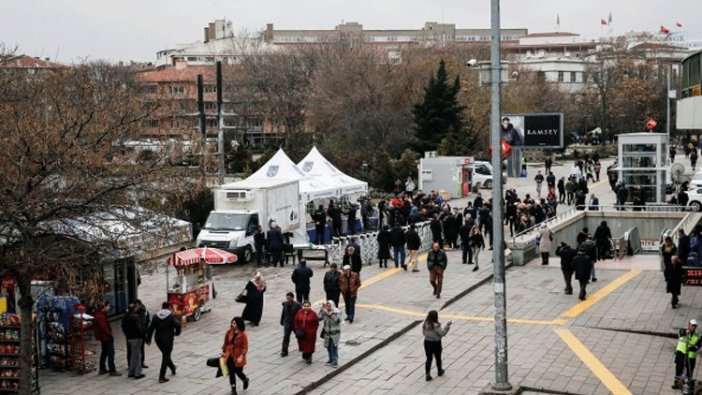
(164, 328)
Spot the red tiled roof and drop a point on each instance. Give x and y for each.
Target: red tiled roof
(27, 62)
(173, 74)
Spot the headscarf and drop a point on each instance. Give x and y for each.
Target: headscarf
(258, 280)
(334, 308)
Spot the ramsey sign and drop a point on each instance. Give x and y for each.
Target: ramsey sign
(533, 130)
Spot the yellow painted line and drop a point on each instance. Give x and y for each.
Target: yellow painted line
(596, 367)
(601, 294)
(456, 317)
(387, 273)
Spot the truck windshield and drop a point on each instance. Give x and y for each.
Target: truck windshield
(226, 221)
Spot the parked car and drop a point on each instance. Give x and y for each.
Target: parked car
(695, 199)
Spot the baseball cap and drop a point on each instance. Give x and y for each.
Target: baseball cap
(693, 322)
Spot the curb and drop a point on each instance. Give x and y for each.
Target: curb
(471, 288)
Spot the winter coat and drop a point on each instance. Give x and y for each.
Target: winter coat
(435, 332)
(383, 244)
(545, 241)
(101, 327)
(397, 237)
(133, 326)
(259, 240)
(436, 258)
(354, 261)
(235, 346)
(567, 254)
(301, 276)
(275, 239)
(673, 277)
(331, 325)
(331, 281)
(583, 266)
(683, 248)
(165, 326)
(287, 316)
(413, 240)
(350, 283)
(307, 321)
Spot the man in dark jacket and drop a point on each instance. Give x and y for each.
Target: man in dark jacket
(351, 220)
(353, 260)
(435, 227)
(275, 244)
(398, 241)
(103, 333)
(436, 263)
(164, 328)
(287, 320)
(133, 328)
(591, 250)
(259, 243)
(464, 233)
(320, 223)
(582, 265)
(414, 242)
(331, 284)
(567, 254)
(683, 246)
(602, 236)
(335, 213)
(301, 278)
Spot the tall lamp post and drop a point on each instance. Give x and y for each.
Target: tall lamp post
(498, 253)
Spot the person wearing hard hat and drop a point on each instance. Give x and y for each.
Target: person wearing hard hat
(689, 342)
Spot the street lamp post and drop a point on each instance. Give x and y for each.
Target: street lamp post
(498, 253)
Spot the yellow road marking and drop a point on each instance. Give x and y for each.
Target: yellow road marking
(598, 369)
(387, 273)
(457, 317)
(601, 294)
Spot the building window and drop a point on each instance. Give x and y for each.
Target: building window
(192, 58)
(177, 89)
(211, 123)
(572, 76)
(175, 123)
(540, 75)
(210, 88)
(560, 76)
(151, 123)
(209, 105)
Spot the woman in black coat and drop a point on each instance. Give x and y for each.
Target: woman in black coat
(254, 300)
(672, 270)
(383, 246)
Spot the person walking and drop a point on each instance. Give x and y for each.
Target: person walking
(466, 249)
(164, 328)
(435, 227)
(103, 334)
(353, 260)
(567, 254)
(602, 236)
(539, 179)
(331, 284)
(433, 332)
(398, 241)
(331, 331)
(693, 158)
(570, 190)
(234, 350)
(672, 269)
(383, 239)
(301, 278)
(591, 250)
(133, 328)
(561, 190)
(436, 263)
(320, 224)
(287, 320)
(259, 243)
(349, 283)
(306, 324)
(275, 244)
(582, 265)
(254, 303)
(689, 342)
(545, 238)
(414, 242)
(551, 182)
(683, 246)
(477, 243)
(548, 163)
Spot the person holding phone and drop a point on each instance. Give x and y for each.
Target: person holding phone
(433, 332)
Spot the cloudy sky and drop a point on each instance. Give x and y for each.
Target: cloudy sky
(73, 30)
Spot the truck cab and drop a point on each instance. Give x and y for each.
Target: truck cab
(482, 174)
(231, 230)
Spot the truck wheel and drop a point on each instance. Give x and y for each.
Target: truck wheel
(248, 254)
(197, 314)
(487, 184)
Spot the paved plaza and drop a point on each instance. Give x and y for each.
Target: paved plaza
(617, 341)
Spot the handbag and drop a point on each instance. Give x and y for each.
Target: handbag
(242, 297)
(322, 334)
(300, 333)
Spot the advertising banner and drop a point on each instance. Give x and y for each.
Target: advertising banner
(544, 130)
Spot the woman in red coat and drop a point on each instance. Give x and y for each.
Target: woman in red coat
(306, 324)
(234, 350)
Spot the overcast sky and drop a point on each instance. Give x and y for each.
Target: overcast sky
(72, 30)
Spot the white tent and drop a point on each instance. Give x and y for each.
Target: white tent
(280, 166)
(317, 167)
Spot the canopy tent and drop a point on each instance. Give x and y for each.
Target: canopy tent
(280, 166)
(317, 167)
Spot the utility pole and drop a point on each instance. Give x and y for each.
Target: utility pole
(220, 124)
(498, 252)
(667, 101)
(202, 127)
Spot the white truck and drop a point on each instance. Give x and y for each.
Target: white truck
(243, 205)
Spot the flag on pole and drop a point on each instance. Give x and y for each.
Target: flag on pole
(678, 24)
(664, 30)
(558, 19)
(603, 22)
(609, 19)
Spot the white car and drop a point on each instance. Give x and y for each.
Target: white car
(695, 181)
(695, 198)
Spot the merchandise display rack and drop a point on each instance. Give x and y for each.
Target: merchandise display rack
(10, 355)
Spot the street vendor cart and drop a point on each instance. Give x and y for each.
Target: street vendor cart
(189, 280)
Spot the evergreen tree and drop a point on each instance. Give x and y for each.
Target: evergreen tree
(438, 112)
